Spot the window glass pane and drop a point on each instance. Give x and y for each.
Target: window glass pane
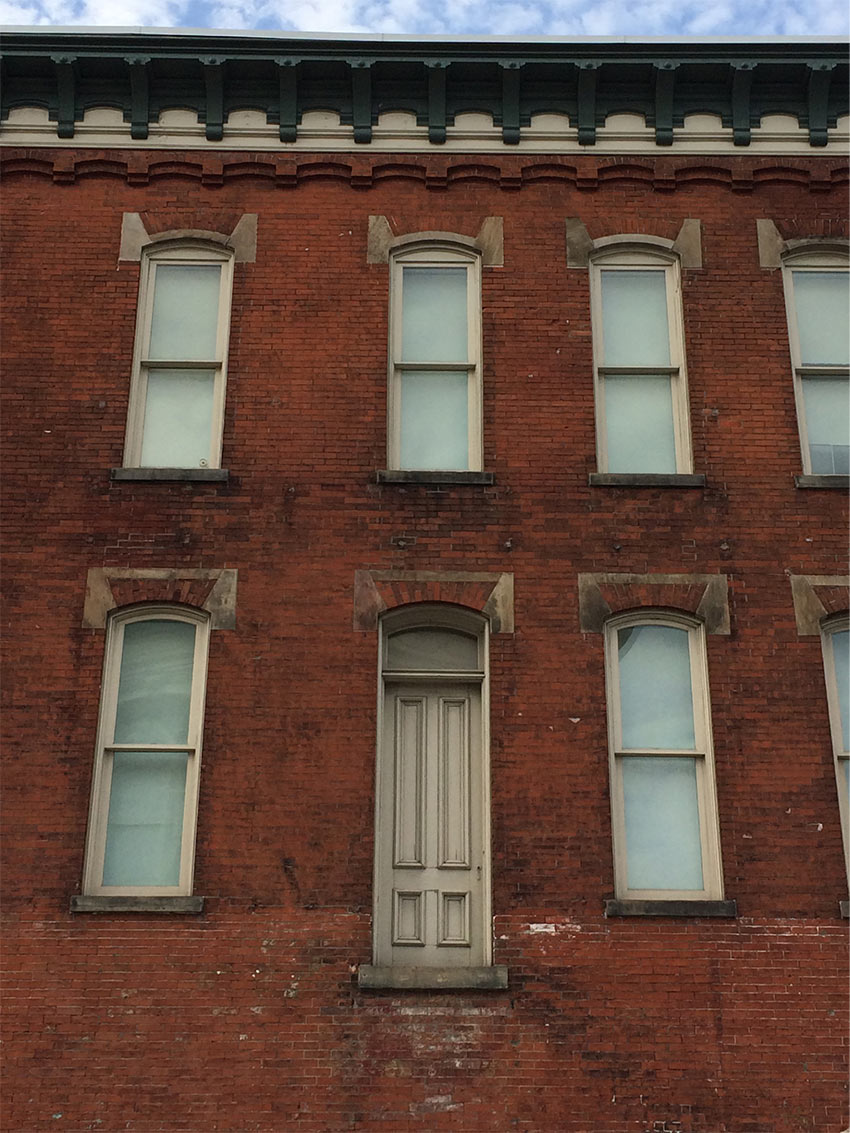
(822, 301)
(177, 432)
(656, 702)
(639, 423)
(634, 318)
(434, 420)
(827, 402)
(662, 823)
(841, 662)
(155, 684)
(145, 824)
(184, 324)
(434, 324)
(436, 649)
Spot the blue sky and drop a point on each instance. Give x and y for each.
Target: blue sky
(451, 17)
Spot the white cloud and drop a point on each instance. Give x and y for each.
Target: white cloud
(451, 17)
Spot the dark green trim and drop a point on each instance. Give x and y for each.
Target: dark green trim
(288, 99)
(436, 103)
(510, 103)
(436, 80)
(665, 84)
(361, 101)
(742, 83)
(139, 96)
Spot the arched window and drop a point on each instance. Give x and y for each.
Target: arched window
(642, 412)
(434, 402)
(431, 922)
(141, 838)
(663, 801)
(176, 409)
(835, 637)
(817, 299)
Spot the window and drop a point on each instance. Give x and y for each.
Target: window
(177, 388)
(435, 358)
(836, 659)
(643, 423)
(817, 298)
(432, 856)
(664, 811)
(145, 786)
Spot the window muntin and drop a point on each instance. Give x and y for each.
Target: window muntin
(435, 359)
(664, 812)
(836, 657)
(817, 295)
(176, 409)
(643, 422)
(145, 785)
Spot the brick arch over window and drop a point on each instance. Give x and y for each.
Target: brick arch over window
(705, 596)
(212, 591)
(491, 594)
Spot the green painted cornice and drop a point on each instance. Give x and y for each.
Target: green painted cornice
(144, 72)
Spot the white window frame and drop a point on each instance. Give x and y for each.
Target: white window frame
(189, 253)
(436, 616)
(819, 260)
(627, 256)
(436, 254)
(102, 776)
(702, 753)
(840, 754)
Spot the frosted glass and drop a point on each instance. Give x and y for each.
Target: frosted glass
(656, 701)
(662, 823)
(177, 431)
(434, 325)
(827, 402)
(436, 649)
(155, 684)
(841, 662)
(639, 423)
(822, 299)
(634, 318)
(145, 824)
(184, 324)
(434, 420)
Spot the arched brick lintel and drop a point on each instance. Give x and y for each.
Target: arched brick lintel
(491, 594)
(706, 596)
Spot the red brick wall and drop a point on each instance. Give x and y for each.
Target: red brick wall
(248, 1017)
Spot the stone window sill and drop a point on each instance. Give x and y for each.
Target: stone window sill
(174, 475)
(836, 483)
(671, 908)
(646, 480)
(180, 905)
(398, 476)
(494, 978)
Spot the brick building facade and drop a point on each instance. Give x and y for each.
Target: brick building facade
(475, 404)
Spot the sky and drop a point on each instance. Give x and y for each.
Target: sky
(450, 17)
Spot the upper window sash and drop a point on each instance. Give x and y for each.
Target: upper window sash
(434, 402)
(176, 412)
(835, 639)
(642, 411)
(817, 299)
(663, 797)
(141, 836)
